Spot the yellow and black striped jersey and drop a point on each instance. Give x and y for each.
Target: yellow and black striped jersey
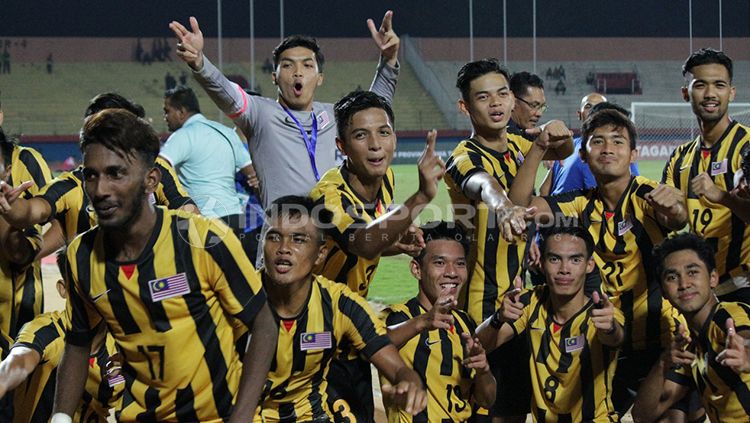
(726, 232)
(334, 316)
(70, 204)
(571, 371)
(624, 238)
(168, 310)
(724, 393)
(32, 400)
(495, 263)
(28, 165)
(350, 211)
(169, 192)
(437, 357)
(21, 293)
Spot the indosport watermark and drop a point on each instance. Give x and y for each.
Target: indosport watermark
(347, 221)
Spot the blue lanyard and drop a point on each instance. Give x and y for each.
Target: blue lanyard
(310, 141)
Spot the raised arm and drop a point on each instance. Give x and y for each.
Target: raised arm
(669, 205)
(370, 241)
(386, 76)
(498, 328)
(481, 186)
(553, 138)
(227, 96)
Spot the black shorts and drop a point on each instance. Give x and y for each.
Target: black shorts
(350, 391)
(510, 366)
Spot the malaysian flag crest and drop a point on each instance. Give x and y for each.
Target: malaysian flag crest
(323, 119)
(719, 168)
(172, 286)
(115, 380)
(315, 341)
(574, 343)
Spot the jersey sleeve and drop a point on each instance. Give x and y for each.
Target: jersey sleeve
(359, 323)
(170, 192)
(679, 375)
(62, 194)
(233, 277)
(231, 99)
(462, 165)
(42, 336)
(346, 218)
(570, 203)
(37, 169)
(524, 144)
(84, 316)
(393, 317)
(668, 174)
(384, 83)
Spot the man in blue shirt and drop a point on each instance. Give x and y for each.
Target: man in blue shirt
(572, 173)
(206, 156)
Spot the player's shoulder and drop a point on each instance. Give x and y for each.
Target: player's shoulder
(464, 147)
(643, 185)
(28, 154)
(333, 288)
(53, 323)
(194, 224)
(739, 312)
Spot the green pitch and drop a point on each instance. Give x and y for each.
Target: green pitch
(393, 282)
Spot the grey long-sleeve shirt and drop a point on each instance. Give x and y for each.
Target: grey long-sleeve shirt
(276, 146)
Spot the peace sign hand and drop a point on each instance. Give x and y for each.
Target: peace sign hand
(385, 38)
(190, 45)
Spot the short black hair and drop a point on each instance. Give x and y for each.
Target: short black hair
(62, 262)
(299, 205)
(684, 241)
(305, 41)
(706, 56)
(7, 145)
(521, 81)
(113, 101)
(476, 69)
(572, 230)
(745, 163)
(183, 97)
(437, 230)
(121, 132)
(606, 105)
(604, 118)
(354, 102)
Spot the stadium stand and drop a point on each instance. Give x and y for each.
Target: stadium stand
(67, 91)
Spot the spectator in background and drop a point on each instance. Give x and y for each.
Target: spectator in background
(139, 52)
(169, 81)
(6, 61)
(530, 105)
(560, 87)
(183, 78)
(50, 63)
(206, 155)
